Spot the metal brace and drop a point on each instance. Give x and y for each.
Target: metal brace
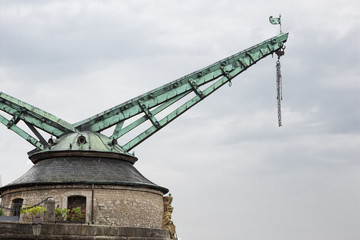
(261, 51)
(249, 55)
(117, 129)
(37, 134)
(15, 119)
(196, 88)
(271, 48)
(243, 64)
(226, 73)
(151, 117)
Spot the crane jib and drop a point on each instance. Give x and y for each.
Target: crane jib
(188, 91)
(158, 99)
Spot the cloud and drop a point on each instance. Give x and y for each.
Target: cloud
(231, 169)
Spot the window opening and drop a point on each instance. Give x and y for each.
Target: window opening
(16, 205)
(75, 202)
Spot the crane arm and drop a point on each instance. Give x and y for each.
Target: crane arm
(33, 117)
(200, 84)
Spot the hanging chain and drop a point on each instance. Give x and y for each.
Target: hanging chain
(279, 95)
(278, 90)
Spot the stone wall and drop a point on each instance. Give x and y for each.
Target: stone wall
(12, 230)
(113, 205)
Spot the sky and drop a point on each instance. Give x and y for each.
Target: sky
(233, 173)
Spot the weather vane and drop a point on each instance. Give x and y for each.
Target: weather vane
(276, 21)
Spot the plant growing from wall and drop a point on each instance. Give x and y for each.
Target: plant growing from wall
(75, 215)
(2, 212)
(29, 213)
(62, 214)
(71, 215)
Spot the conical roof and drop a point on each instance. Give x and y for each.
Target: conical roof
(83, 158)
(83, 170)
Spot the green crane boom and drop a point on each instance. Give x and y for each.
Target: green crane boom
(199, 85)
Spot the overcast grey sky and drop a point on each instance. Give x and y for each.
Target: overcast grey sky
(233, 172)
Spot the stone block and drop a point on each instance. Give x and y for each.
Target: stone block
(50, 211)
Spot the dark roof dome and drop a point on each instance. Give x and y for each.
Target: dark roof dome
(83, 170)
(83, 158)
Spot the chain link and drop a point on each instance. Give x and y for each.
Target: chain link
(279, 90)
(279, 96)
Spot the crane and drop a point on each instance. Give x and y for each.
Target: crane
(128, 116)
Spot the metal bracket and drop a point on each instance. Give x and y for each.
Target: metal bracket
(117, 130)
(13, 121)
(243, 64)
(196, 88)
(270, 47)
(226, 73)
(16, 118)
(22, 133)
(151, 117)
(249, 55)
(37, 134)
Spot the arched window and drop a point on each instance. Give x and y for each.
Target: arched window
(16, 205)
(75, 202)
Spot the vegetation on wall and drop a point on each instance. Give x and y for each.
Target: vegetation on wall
(61, 214)
(65, 214)
(29, 213)
(75, 214)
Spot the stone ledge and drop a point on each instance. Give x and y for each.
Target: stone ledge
(61, 231)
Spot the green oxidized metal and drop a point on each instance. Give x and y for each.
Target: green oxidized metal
(80, 154)
(198, 84)
(83, 144)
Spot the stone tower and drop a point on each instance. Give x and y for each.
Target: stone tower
(90, 171)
